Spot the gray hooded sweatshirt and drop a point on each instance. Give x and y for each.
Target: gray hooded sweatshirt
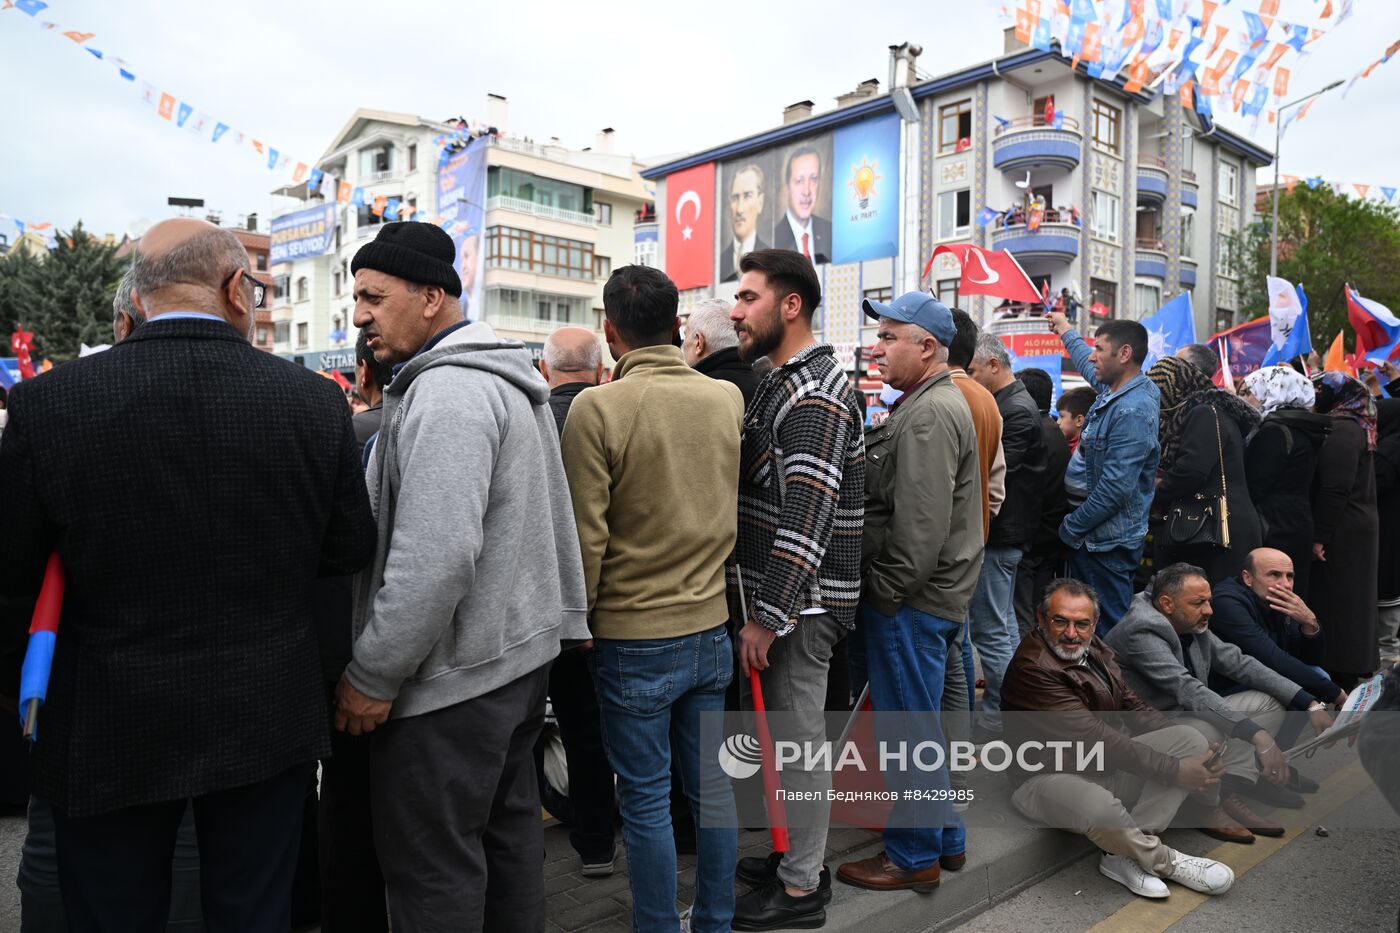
(477, 576)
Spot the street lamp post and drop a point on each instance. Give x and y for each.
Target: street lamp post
(1278, 139)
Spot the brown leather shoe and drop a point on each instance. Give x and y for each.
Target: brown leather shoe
(880, 874)
(952, 862)
(1240, 812)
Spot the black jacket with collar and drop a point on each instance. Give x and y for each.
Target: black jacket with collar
(727, 366)
(194, 488)
(1023, 447)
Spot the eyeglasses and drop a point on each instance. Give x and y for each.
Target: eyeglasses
(1079, 625)
(259, 288)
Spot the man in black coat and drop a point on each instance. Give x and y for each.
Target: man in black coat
(1047, 556)
(194, 487)
(1259, 613)
(371, 376)
(992, 615)
(712, 347)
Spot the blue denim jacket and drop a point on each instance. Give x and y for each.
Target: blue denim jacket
(1120, 449)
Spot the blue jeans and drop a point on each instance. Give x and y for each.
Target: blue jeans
(992, 625)
(1110, 573)
(651, 695)
(907, 655)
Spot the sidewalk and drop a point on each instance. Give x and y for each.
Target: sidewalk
(1001, 862)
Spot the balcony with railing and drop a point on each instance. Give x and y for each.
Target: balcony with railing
(547, 211)
(1151, 179)
(1190, 190)
(1031, 142)
(1151, 260)
(1056, 238)
(1188, 272)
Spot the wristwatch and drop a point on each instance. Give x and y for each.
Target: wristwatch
(1316, 705)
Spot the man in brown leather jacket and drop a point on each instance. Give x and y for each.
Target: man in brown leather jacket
(1064, 672)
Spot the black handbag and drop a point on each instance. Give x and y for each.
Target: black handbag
(1201, 519)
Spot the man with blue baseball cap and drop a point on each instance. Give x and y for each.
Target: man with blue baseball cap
(920, 558)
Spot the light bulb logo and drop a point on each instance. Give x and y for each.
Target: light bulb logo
(863, 181)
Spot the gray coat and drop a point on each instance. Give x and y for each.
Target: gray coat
(1149, 652)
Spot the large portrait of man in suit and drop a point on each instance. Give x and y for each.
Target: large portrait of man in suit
(744, 198)
(805, 225)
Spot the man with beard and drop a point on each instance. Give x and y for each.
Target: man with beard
(745, 208)
(801, 508)
(800, 229)
(1062, 669)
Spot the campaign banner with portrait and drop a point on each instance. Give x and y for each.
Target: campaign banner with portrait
(302, 234)
(865, 195)
(747, 202)
(462, 205)
(803, 221)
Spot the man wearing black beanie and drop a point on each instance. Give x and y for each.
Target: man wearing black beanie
(476, 580)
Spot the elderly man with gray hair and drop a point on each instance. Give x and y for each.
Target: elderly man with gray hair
(992, 615)
(572, 361)
(126, 313)
(712, 347)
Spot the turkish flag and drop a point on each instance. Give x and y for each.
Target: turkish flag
(992, 272)
(690, 226)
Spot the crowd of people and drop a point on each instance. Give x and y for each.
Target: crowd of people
(256, 581)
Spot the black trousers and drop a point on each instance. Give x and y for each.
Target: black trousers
(114, 868)
(1033, 575)
(352, 887)
(591, 795)
(457, 813)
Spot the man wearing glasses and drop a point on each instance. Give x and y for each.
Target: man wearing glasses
(174, 679)
(1063, 672)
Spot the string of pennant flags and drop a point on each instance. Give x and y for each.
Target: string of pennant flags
(1214, 55)
(186, 116)
(1384, 193)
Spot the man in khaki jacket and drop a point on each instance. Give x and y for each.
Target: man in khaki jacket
(653, 465)
(920, 558)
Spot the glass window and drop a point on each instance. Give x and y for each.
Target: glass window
(948, 292)
(1104, 295)
(510, 248)
(1105, 216)
(282, 287)
(1188, 234)
(1107, 122)
(603, 212)
(1188, 154)
(1043, 112)
(954, 214)
(1147, 299)
(302, 332)
(412, 157)
(1225, 257)
(261, 262)
(955, 127)
(376, 161)
(546, 192)
(335, 278)
(303, 289)
(1229, 183)
(602, 267)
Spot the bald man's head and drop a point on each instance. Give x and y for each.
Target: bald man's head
(185, 264)
(572, 354)
(1265, 567)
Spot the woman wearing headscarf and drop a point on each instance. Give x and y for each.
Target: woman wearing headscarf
(1191, 460)
(1346, 529)
(1280, 460)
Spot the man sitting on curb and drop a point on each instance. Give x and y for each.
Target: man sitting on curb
(1169, 658)
(1066, 673)
(1259, 613)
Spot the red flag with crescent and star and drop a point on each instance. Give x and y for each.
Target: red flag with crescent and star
(690, 226)
(992, 272)
(21, 343)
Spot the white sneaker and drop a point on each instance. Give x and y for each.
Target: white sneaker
(1200, 874)
(1131, 876)
(685, 920)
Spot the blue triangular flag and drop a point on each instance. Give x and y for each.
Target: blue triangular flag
(1170, 329)
(272, 158)
(184, 114)
(1388, 192)
(219, 130)
(391, 209)
(92, 51)
(126, 74)
(32, 7)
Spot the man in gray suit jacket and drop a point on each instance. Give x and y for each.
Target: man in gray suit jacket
(1168, 656)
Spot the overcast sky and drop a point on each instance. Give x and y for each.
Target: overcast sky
(80, 144)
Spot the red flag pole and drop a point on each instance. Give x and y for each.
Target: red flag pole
(772, 803)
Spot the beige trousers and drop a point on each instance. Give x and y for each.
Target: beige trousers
(1095, 807)
(1239, 753)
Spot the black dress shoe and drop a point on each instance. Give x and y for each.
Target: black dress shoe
(1300, 784)
(1272, 794)
(764, 871)
(770, 907)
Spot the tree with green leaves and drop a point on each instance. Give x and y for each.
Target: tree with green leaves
(1325, 241)
(64, 297)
